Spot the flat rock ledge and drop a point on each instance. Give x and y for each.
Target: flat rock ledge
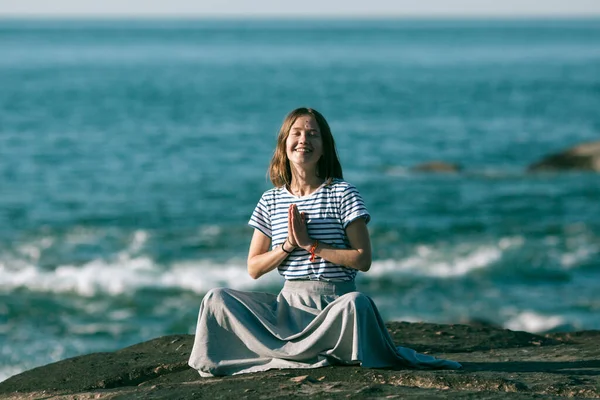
(497, 364)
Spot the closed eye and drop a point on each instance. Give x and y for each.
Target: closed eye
(308, 133)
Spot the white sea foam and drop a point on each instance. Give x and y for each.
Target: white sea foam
(33, 250)
(129, 275)
(570, 260)
(138, 241)
(582, 253)
(577, 246)
(531, 321)
(209, 231)
(10, 370)
(444, 261)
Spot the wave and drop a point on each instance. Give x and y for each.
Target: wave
(131, 269)
(531, 321)
(8, 371)
(422, 265)
(128, 273)
(447, 261)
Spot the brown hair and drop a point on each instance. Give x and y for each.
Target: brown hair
(328, 167)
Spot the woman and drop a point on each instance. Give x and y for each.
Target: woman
(312, 227)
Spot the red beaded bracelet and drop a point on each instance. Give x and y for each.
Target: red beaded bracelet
(313, 249)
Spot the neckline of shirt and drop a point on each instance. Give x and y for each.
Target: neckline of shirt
(317, 190)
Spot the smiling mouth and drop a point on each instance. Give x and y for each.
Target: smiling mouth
(303, 150)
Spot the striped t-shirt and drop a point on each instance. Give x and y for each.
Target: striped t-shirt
(328, 212)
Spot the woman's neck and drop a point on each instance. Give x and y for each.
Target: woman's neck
(303, 184)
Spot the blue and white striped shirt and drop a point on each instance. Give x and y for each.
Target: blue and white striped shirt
(328, 211)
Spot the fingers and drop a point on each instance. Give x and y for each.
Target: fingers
(293, 212)
(291, 229)
(297, 227)
(300, 215)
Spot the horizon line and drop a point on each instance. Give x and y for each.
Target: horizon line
(177, 16)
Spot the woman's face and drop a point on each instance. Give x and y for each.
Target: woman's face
(304, 144)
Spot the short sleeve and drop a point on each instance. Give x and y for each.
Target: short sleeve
(352, 206)
(261, 217)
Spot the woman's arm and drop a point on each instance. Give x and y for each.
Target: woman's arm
(260, 259)
(358, 256)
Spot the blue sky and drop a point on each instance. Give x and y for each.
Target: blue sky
(326, 8)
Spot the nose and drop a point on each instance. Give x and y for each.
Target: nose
(304, 137)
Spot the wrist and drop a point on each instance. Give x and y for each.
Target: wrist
(287, 250)
(307, 246)
(313, 249)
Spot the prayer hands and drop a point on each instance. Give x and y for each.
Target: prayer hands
(297, 230)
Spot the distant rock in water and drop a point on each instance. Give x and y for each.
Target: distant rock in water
(437, 166)
(585, 157)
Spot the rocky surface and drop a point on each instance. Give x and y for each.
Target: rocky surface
(497, 364)
(437, 166)
(585, 156)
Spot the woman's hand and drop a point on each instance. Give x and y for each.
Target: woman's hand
(297, 230)
(291, 239)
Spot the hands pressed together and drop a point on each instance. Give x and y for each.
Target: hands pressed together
(297, 229)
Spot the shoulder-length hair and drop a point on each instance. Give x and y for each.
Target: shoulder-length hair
(328, 166)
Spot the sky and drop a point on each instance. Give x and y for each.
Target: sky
(310, 8)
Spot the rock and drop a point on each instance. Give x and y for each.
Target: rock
(437, 166)
(585, 156)
(497, 364)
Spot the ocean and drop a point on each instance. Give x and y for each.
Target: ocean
(132, 153)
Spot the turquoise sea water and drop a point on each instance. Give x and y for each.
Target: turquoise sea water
(132, 154)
